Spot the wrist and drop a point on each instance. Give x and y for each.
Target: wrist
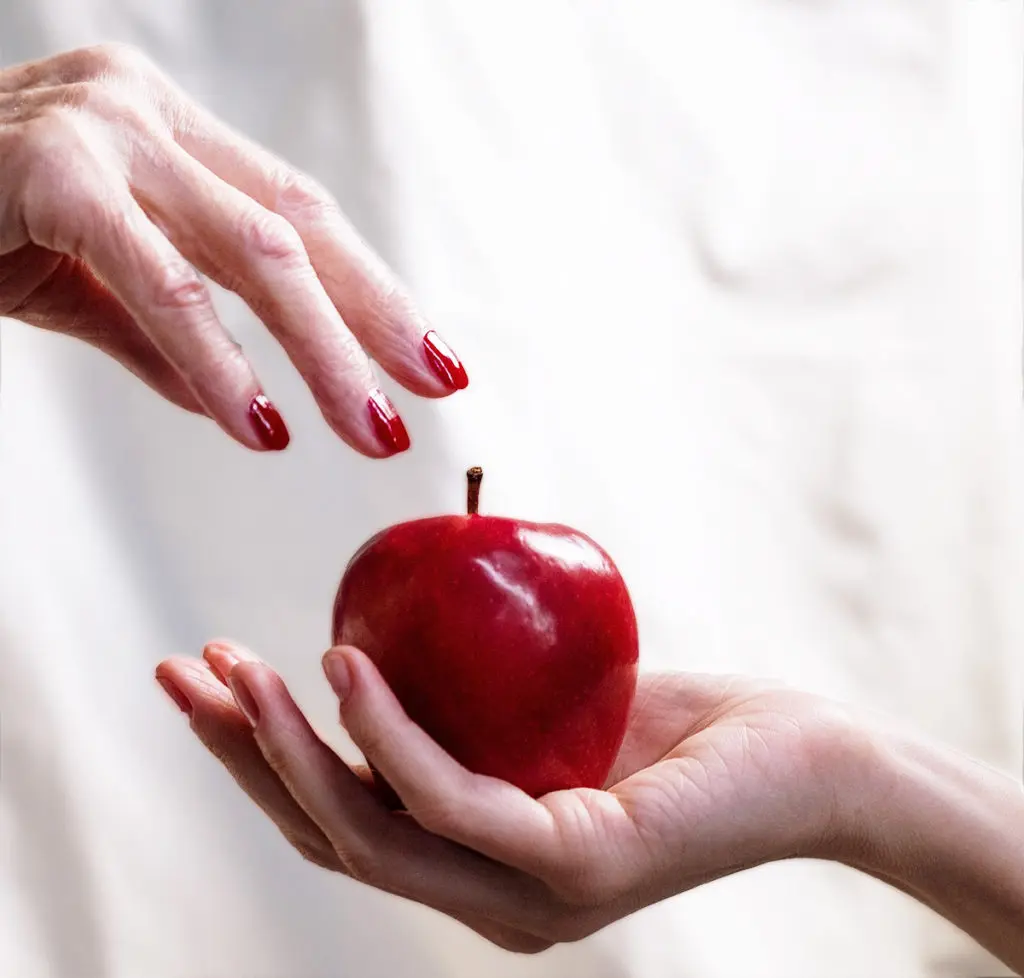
(901, 795)
(873, 788)
(937, 824)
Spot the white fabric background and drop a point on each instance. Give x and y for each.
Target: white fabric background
(766, 249)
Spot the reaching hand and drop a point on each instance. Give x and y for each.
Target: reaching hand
(115, 188)
(715, 775)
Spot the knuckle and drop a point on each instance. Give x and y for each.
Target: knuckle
(58, 153)
(58, 178)
(437, 815)
(299, 193)
(71, 96)
(277, 756)
(230, 362)
(110, 58)
(179, 286)
(108, 102)
(268, 236)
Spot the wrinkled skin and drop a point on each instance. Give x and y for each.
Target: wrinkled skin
(117, 191)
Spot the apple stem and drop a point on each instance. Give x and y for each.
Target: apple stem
(473, 479)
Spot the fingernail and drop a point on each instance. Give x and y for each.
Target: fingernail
(444, 362)
(236, 653)
(338, 674)
(244, 698)
(387, 423)
(222, 659)
(222, 648)
(268, 424)
(180, 699)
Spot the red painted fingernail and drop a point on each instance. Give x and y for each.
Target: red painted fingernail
(180, 699)
(387, 423)
(268, 424)
(444, 362)
(244, 698)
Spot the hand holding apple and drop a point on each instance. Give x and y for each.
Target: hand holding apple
(715, 774)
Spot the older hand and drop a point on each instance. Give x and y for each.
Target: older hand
(715, 775)
(115, 189)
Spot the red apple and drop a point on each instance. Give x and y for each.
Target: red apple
(513, 644)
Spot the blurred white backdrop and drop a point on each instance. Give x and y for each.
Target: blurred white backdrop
(768, 248)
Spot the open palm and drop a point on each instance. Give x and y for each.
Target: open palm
(715, 775)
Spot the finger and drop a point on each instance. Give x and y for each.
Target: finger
(369, 296)
(222, 656)
(223, 729)
(319, 780)
(129, 346)
(108, 61)
(490, 816)
(67, 298)
(388, 851)
(225, 732)
(366, 292)
(169, 300)
(95, 218)
(261, 257)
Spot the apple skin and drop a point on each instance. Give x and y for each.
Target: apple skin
(513, 644)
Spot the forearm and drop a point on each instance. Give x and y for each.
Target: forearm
(944, 828)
